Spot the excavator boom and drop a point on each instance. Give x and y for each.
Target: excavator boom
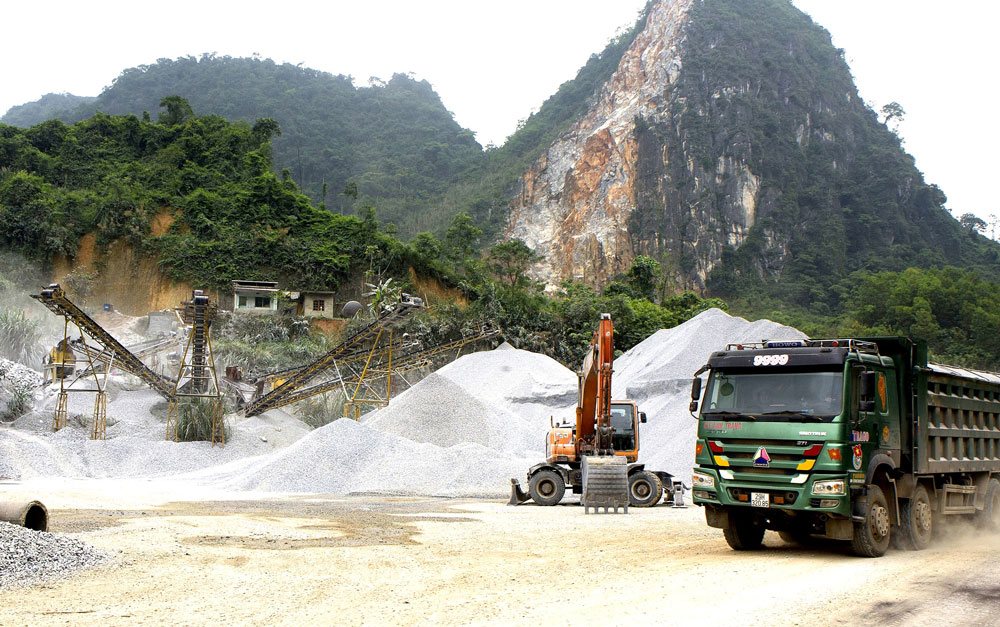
(593, 411)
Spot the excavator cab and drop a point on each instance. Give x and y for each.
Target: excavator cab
(625, 418)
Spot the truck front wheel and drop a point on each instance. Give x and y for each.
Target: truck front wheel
(743, 533)
(871, 537)
(917, 521)
(546, 487)
(989, 518)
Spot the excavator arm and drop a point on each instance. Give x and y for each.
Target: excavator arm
(593, 411)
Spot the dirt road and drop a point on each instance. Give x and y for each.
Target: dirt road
(190, 556)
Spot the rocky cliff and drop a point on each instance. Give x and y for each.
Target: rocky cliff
(576, 201)
(732, 146)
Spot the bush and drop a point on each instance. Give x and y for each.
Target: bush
(19, 337)
(194, 420)
(265, 343)
(321, 409)
(18, 404)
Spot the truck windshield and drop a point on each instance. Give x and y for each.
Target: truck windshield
(774, 395)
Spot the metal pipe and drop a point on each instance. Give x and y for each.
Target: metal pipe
(30, 514)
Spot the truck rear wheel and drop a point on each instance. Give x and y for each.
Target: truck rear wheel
(546, 487)
(743, 533)
(916, 518)
(989, 518)
(871, 537)
(644, 489)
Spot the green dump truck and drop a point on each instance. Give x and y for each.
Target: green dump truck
(856, 439)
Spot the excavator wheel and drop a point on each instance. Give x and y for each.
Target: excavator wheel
(644, 489)
(546, 487)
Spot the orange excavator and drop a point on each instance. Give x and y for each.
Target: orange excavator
(596, 456)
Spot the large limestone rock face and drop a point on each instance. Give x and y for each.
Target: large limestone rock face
(575, 202)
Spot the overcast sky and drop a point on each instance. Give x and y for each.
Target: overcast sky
(493, 63)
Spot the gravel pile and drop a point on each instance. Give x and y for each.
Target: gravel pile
(461, 431)
(531, 385)
(28, 557)
(438, 411)
(349, 457)
(500, 399)
(19, 375)
(135, 444)
(657, 373)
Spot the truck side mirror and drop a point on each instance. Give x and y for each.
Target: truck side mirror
(642, 417)
(695, 395)
(868, 382)
(866, 391)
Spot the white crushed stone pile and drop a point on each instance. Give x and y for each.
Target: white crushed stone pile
(531, 385)
(657, 373)
(438, 411)
(350, 457)
(136, 444)
(28, 557)
(464, 430)
(18, 375)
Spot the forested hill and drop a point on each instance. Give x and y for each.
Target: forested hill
(721, 145)
(48, 107)
(208, 179)
(394, 140)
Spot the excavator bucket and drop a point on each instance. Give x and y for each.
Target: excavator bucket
(605, 483)
(517, 495)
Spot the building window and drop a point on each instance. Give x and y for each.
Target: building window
(243, 302)
(319, 304)
(262, 302)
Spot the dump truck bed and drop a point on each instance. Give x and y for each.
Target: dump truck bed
(958, 422)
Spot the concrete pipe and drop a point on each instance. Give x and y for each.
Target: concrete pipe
(30, 514)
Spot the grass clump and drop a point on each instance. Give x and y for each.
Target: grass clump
(20, 339)
(194, 420)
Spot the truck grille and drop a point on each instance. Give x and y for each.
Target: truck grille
(784, 457)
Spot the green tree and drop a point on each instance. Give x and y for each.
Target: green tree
(178, 110)
(462, 237)
(644, 276)
(426, 246)
(510, 261)
(972, 222)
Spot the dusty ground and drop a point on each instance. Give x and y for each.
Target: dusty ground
(191, 556)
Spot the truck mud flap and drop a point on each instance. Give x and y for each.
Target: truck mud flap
(605, 484)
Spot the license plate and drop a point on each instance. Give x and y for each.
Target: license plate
(760, 499)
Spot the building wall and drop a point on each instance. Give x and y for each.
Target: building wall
(311, 301)
(247, 301)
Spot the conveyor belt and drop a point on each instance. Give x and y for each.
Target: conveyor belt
(103, 356)
(54, 298)
(366, 336)
(400, 364)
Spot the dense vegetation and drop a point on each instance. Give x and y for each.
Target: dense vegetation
(113, 174)
(48, 107)
(392, 144)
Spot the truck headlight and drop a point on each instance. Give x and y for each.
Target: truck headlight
(701, 480)
(829, 486)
